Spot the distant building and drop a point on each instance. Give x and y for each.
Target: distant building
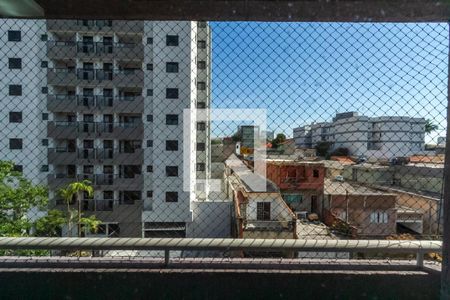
(287, 147)
(249, 135)
(259, 210)
(377, 137)
(267, 135)
(371, 212)
(300, 182)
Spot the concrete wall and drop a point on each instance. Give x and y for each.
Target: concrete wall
(429, 206)
(359, 209)
(210, 219)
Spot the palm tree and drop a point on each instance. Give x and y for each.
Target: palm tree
(430, 127)
(71, 192)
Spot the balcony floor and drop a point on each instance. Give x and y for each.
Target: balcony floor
(50, 277)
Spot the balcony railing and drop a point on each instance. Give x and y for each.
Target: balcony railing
(108, 104)
(98, 204)
(68, 49)
(131, 181)
(133, 77)
(179, 244)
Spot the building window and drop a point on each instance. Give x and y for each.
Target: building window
(44, 64)
(129, 197)
(201, 104)
(149, 118)
(171, 119)
(149, 143)
(14, 36)
(201, 146)
(201, 126)
(172, 67)
(149, 67)
(149, 168)
(263, 211)
(18, 168)
(44, 90)
(292, 198)
(45, 142)
(201, 86)
(44, 168)
(171, 196)
(15, 117)
(149, 40)
(172, 145)
(201, 64)
(315, 173)
(172, 93)
(44, 37)
(44, 116)
(15, 63)
(15, 144)
(149, 194)
(171, 171)
(200, 167)
(172, 40)
(378, 217)
(15, 90)
(201, 24)
(201, 44)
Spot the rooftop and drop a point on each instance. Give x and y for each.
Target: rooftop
(252, 182)
(332, 187)
(343, 159)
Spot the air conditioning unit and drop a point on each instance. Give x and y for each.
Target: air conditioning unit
(302, 215)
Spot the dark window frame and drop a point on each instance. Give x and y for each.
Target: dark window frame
(13, 146)
(15, 117)
(15, 63)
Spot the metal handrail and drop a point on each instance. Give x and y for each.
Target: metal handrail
(168, 244)
(402, 246)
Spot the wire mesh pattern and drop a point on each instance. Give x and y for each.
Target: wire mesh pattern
(146, 129)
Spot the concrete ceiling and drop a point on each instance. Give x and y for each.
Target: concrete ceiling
(233, 10)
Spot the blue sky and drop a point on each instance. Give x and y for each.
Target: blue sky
(305, 72)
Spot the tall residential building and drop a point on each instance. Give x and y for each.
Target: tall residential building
(249, 134)
(377, 137)
(104, 101)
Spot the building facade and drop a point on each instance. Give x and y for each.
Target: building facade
(105, 101)
(300, 182)
(377, 137)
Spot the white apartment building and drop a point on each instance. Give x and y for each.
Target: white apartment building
(376, 137)
(104, 101)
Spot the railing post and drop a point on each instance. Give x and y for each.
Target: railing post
(419, 259)
(445, 274)
(166, 257)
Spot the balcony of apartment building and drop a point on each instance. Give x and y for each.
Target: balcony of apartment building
(129, 127)
(62, 46)
(128, 102)
(106, 26)
(129, 74)
(66, 47)
(62, 74)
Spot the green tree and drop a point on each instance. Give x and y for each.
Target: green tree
(17, 196)
(341, 151)
(323, 148)
(51, 224)
(280, 138)
(430, 127)
(72, 193)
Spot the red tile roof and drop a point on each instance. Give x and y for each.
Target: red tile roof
(343, 159)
